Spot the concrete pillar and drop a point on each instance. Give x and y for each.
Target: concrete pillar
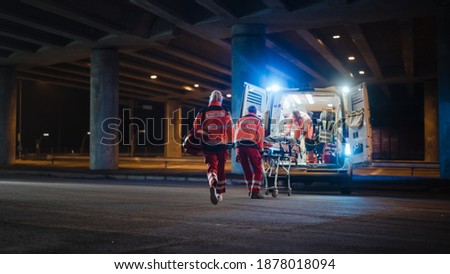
(431, 122)
(248, 65)
(172, 127)
(443, 48)
(104, 122)
(8, 104)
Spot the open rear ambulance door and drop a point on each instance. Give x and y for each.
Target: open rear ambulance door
(257, 96)
(359, 125)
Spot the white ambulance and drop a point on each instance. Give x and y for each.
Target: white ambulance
(341, 138)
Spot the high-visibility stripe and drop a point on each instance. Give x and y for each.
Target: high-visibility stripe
(220, 188)
(212, 178)
(256, 186)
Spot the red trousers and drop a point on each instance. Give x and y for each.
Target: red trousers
(250, 160)
(216, 168)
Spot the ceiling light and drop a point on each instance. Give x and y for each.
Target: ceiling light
(46, 134)
(295, 99)
(310, 99)
(336, 36)
(320, 42)
(153, 76)
(351, 58)
(286, 103)
(228, 95)
(351, 74)
(330, 105)
(346, 89)
(196, 85)
(187, 88)
(361, 72)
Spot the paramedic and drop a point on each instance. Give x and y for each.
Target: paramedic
(302, 124)
(214, 126)
(249, 147)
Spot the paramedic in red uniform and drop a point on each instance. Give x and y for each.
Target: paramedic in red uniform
(214, 126)
(249, 146)
(302, 123)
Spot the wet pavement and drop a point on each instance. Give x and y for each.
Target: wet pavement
(61, 215)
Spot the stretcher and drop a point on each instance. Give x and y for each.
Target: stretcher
(279, 154)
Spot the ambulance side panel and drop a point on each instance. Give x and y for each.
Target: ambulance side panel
(359, 125)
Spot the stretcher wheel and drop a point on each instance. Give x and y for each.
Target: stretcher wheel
(267, 192)
(289, 192)
(275, 193)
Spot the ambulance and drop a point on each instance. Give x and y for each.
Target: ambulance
(341, 124)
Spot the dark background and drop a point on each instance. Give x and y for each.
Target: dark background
(63, 112)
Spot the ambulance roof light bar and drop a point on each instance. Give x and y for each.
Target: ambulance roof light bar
(273, 88)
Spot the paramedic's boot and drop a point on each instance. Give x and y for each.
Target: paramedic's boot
(256, 195)
(249, 188)
(213, 195)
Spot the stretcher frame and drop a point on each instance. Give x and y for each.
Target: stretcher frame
(275, 161)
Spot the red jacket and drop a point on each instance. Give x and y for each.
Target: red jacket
(250, 132)
(214, 126)
(303, 124)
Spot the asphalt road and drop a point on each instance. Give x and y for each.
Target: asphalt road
(49, 215)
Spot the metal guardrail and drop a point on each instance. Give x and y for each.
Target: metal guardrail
(407, 164)
(402, 168)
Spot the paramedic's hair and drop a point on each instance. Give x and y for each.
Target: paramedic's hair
(252, 109)
(216, 96)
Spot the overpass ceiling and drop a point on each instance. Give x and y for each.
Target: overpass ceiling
(187, 42)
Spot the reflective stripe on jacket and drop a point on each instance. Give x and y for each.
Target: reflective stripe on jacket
(250, 132)
(214, 126)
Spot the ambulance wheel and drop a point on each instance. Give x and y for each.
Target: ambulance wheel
(275, 193)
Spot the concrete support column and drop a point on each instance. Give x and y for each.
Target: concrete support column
(431, 121)
(443, 46)
(8, 104)
(172, 126)
(104, 122)
(248, 65)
